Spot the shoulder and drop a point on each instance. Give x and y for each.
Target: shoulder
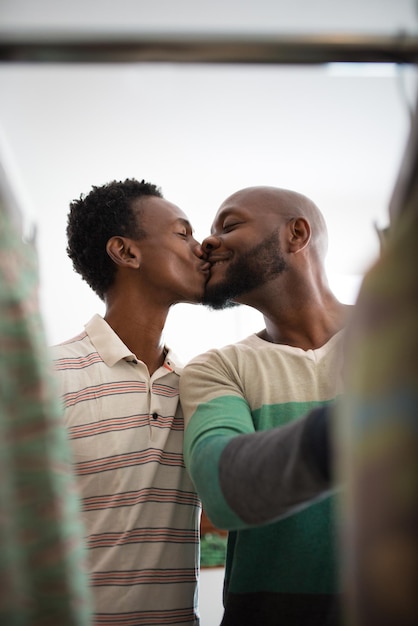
(235, 359)
(218, 372)
(70, 351)
(228, 353)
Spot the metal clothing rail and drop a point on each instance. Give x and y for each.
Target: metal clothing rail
(90, 47)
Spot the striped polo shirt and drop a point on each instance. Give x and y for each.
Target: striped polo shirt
(138, 503)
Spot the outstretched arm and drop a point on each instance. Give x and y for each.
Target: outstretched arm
(267, 475)
(243, 477)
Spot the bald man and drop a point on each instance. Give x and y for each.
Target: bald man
(267, 249)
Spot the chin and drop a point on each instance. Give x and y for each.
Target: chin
(196, 298)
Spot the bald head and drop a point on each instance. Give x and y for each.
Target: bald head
(285, 204)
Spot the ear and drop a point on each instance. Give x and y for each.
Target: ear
(124, 252)
(299, 234)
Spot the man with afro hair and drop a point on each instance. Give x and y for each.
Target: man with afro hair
(119, 384)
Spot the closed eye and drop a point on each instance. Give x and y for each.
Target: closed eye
(230, 226)
(185, 230)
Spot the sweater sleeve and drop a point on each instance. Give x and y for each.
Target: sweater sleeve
(245, 478)
(215, 412)
(268, 475)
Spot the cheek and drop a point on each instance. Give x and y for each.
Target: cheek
(185, 271)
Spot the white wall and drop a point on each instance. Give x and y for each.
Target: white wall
(202, 133)
(362, 16)
(210, 596)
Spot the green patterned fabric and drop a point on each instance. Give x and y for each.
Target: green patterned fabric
(42, 576)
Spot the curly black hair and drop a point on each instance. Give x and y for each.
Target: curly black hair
(105, 212)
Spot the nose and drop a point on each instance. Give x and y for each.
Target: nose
(198, 250)
(210, 243)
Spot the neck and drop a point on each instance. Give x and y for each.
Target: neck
(299, 309)
(307, 328)
(141, 332)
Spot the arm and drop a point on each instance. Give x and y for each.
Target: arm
(243, 477)
(269, 474)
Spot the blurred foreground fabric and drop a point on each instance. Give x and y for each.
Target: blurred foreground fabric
(42, 576)
(378, 439)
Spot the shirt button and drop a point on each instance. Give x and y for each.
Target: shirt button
(155, 416)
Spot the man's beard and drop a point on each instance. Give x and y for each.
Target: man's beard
(253, 269)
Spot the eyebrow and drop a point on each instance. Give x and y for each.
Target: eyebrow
(222, 216)
(185, 223)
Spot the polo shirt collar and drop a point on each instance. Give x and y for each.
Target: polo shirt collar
(112, 349)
